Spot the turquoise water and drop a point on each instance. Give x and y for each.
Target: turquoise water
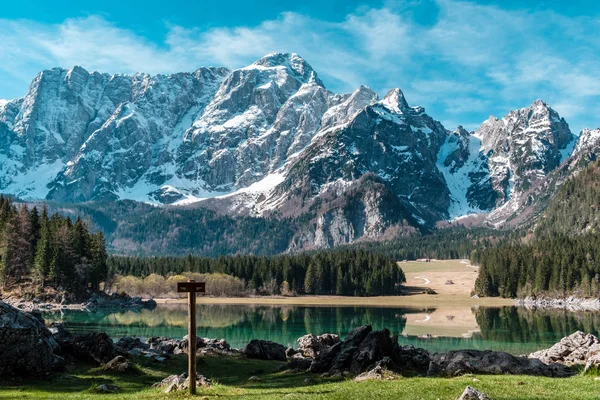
(511, 329)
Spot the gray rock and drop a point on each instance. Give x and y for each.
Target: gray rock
(311, 345)
(576, 349)
(376, 373)
(473, 394)
(181, 382)
(26, 345)
(460, 362)
(106, 388)
(118, 364)
(128, 345)
(264, 350)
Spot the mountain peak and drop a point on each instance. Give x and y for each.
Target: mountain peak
(394, 100)
(539, 103)
(293, 62)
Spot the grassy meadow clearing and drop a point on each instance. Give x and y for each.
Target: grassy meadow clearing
(230, 381)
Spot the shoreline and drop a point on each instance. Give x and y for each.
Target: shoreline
(409, 301)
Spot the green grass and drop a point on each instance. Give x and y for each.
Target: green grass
(230, 378)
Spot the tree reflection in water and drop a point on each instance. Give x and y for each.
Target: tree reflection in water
(511, 329)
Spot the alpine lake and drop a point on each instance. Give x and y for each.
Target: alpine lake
(516, 330)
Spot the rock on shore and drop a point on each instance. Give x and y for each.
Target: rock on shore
(570, 303)
(460, 362)
(576, 349)
(264, 350)
(311, 345)
(375, 353)
(96, 300)
(26, 345)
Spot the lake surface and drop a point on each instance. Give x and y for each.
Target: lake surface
(512, 329)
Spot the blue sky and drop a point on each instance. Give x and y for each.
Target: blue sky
(461, 60)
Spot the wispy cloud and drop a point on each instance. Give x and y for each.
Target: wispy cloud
(471, 61)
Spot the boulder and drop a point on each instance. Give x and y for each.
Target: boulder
(264, 350)
(411, 359)
(96, 346)
(576, 349)
(181, 382)
(473, 394)
(117, 364)
(357, 335)
(166, 345)
(311, 345)
(455, 363)
(375, 346)
(363, 349)
(325, 359)
(26, 345)
(214, 344)
(342, 360)
(128, 345)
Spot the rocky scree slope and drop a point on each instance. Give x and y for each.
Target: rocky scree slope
(269, 140)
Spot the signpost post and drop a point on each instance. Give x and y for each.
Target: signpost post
(191, 288)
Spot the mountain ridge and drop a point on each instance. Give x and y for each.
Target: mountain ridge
(270, 140)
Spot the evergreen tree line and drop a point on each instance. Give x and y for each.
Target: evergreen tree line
(563, 256)
(348, 272)
(556, 266)
(49, 250)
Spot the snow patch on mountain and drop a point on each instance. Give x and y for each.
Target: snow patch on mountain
(458, 178)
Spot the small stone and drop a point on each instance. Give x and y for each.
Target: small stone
(254, 379)
(160, 359)
(309, 381)
(597, 378)
(106, 388)
(475, 380)
(473, 394)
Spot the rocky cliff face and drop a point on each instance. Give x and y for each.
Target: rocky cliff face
(523, 148)
(270, 140)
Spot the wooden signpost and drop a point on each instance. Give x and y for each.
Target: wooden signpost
(191, 288)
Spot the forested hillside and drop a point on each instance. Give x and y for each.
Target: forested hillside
(140, 229)
(48, 250)
(340, 272)
(575, 209)
(563, 256)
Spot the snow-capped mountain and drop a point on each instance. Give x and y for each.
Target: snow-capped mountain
(270, 140)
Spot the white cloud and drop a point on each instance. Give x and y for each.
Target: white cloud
(472, 61)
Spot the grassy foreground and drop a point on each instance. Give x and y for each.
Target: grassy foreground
(230, 381)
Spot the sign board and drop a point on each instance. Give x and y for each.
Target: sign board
(191, 287)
